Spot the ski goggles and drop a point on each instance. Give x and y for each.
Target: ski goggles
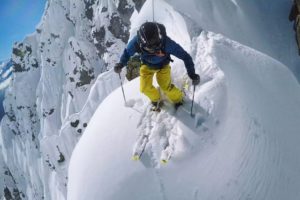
(153, 49)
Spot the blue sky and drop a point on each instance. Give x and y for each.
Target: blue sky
(18, 18)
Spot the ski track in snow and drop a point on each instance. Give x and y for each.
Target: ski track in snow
(158, 134)
(157, 130)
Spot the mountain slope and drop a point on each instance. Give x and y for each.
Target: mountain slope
(259, 24)
(53, 71)
(246, 147)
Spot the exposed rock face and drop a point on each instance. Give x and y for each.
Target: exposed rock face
(47, 106)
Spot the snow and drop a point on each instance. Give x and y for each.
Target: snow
(242, 143)
(262, 25)
(245, 148)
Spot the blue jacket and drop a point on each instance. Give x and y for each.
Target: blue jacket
(157, 62)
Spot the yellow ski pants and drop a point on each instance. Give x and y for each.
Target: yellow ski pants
(163, 77)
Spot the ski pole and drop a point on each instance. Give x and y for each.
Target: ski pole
(122, 88)
(193, 100)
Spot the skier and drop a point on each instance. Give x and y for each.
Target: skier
(295, 16)
(155, 48)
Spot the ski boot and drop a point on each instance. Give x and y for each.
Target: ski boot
(177, 105)
(156, 106)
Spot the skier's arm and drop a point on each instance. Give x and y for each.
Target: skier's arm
(129, 51)
(175, 49)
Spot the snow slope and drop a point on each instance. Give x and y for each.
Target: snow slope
(260, 24)
(242, 144)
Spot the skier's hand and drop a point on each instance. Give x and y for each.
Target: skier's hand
(118, 68)
(195, 79)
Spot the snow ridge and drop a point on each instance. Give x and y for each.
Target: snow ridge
(237, 151)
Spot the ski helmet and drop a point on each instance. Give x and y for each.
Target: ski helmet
(150, 35)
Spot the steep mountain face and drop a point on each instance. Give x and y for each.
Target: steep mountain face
(53, 71)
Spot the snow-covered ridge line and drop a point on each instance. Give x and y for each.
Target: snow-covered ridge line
(236, 148)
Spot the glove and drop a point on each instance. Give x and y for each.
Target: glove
(118, 68)
(195, 79)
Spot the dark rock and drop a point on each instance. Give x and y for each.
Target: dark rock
(70, 93)
(118, 28)
(7, 194)
(28, 49)
(104, 9)
(138, 4)
(54, 35)
(71, 79)
(108, 44)
(89, 9)
(81, 56)
(19, 68)
(18, 53)
(61, 156)
(75, 124)
(49, 164)
(69, 19)
(47, 113)
(86, 77)
(125, 11)
(99, 36)
(35, 64)
(39, 31)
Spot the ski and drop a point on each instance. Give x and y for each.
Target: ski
(169, 148)
(166, 155)
(140, 148)
(146, 129)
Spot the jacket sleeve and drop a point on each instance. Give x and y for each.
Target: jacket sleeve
(175, 49)
(129, 51)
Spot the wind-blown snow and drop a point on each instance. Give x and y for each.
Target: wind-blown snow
(260, 24)
(242, 144)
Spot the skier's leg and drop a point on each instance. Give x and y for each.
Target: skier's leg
(163, 77)
(146, 86)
